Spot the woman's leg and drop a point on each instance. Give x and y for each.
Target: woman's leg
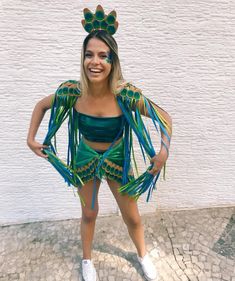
(129, 210)
(88, 217)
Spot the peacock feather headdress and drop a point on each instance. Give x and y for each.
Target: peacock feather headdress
(99, 20)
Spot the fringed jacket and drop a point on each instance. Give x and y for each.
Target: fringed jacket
(130, 100)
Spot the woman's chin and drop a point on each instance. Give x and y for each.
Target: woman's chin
(96, 80)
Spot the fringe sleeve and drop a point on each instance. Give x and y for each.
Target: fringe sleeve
(134, 104)
(62, 108)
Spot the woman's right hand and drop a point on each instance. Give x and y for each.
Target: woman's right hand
(38, 113)
(37, 148)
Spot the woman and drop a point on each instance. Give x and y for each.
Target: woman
(99, 109)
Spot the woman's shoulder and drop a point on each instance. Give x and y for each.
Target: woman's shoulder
(69, 88)
(127, 89)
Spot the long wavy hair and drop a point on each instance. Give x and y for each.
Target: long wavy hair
(115, 76)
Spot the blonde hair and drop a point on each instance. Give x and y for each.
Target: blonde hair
(115, 76)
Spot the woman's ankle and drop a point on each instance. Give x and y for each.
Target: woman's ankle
(141, 254)
(86, 257)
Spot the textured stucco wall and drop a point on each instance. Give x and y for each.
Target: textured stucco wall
(180, 53)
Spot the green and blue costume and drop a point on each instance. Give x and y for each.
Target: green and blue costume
(83, 162)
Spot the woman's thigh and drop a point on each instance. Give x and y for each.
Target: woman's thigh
(86, 196)
(127, 205)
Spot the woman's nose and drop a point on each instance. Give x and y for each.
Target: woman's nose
(96, 59)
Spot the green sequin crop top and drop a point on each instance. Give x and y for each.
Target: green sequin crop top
(100, 129)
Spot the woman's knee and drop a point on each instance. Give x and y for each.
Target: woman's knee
(127, 205)
(132, 221)
(89, 215)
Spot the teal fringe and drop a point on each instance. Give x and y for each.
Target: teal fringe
(145, 182)
(68, 174)
(62, 108)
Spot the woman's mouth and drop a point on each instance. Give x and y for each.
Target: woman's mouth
(95, 70)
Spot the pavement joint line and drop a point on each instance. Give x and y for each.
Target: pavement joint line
(184, 245)
(172, 248)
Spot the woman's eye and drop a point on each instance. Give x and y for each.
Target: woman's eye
(90, 56)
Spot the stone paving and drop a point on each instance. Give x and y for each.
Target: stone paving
(184, 245)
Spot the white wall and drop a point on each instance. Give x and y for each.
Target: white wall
(180, 53)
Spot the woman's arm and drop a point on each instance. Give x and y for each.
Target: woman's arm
(37, 116)
(166, 120)
(144, 106)
(131, 99)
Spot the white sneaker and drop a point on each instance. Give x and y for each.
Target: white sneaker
(148, 268)
(88, 270)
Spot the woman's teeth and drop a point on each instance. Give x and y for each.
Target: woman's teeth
(95, 70)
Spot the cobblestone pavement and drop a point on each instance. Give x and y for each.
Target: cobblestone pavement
(184, 245)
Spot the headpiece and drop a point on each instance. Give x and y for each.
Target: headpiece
(100, 21)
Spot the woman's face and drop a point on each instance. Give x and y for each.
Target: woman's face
(97, 63)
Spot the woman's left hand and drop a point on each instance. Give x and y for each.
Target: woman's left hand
(158, 162)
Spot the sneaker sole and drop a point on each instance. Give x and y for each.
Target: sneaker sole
(81, 277)
(149, 279)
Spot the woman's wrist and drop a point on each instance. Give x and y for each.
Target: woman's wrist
(164, 152)
(30, 140)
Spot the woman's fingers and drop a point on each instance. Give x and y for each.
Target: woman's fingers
(153, 171)
(40, 153)
(41, 146)
(37, 148)
(43, 154)
(44, 146)
(157, 165)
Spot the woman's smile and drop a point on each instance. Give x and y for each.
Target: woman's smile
(95, 70)
(96, 62)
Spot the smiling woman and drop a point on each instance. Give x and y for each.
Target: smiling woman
(97, 64)
(100, 53)
(101, 122)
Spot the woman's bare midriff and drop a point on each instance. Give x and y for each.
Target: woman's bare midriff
(100, 145)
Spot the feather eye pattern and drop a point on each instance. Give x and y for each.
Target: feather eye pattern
(131, 99)
(133, 104)
(99, 20)
(62, 108)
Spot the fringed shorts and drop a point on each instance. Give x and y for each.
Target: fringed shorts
(91, 163)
